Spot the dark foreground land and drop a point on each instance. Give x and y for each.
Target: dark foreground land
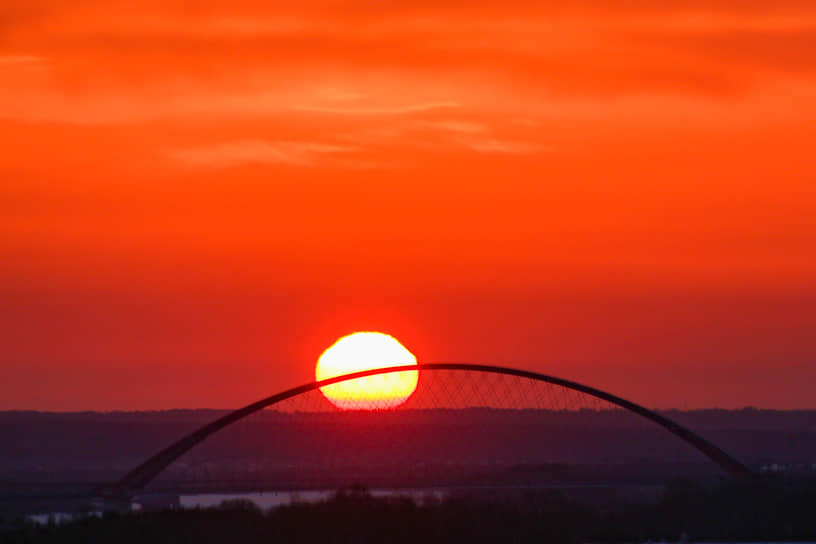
(769, 510)
(54, 462)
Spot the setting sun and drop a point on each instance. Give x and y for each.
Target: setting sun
(365, 351)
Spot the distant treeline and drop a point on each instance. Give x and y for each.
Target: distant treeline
(756, 511)
(83, 447)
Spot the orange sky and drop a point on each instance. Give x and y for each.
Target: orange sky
(196, 199)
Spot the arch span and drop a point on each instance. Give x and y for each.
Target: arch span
(144, 473)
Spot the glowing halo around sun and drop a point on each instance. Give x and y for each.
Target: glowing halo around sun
(366, 351)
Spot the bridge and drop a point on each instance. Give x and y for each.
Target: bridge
(140, 476)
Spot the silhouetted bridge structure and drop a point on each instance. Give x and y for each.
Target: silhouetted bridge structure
(143, 474)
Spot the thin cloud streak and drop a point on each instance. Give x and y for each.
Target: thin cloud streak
(436, 135)
(493, 145)
(378, 110)
(460, 127)
(21, 59)
(242, 152)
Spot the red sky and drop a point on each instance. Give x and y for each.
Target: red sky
(197, 199)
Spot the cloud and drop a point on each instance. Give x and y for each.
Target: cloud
(124, 62)
(362, 109)
(448, 135)
(784, 50)
(10, 60)
(493, 145)
(460, 127)
(258, 151)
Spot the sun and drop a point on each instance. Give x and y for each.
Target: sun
(365, 351)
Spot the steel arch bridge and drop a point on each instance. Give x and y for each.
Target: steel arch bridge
(143, 474)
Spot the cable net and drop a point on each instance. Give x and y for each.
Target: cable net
(457, 428)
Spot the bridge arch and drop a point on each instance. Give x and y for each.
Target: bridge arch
(143, 474)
